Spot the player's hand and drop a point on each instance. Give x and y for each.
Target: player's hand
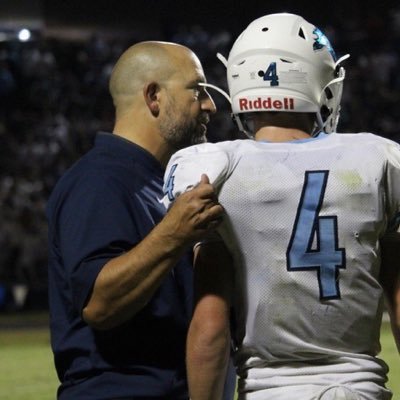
(195, 213)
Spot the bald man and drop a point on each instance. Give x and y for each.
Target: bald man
(120, 274)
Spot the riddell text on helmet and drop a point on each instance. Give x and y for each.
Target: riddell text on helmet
(266, 104)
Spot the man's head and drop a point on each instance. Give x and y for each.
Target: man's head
(282, 63)
(159, 102)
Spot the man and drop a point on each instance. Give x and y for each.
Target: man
(119, 280)
(305, 213)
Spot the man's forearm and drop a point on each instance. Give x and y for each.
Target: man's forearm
(127, 283)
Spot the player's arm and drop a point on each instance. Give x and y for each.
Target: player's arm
(390, 243)
(390, 279)
(127, 283)
(208, 343)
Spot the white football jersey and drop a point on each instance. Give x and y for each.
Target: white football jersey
(303, 223)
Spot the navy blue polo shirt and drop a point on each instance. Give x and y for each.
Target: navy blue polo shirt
(103, 206)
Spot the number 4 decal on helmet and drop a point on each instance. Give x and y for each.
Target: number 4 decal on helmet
(270, 74)
(326, 257)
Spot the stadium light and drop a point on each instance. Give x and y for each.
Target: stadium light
(24, 35)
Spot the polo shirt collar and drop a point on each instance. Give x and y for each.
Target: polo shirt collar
(126, 149)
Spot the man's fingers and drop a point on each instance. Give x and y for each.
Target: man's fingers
(204, 179)
(213, 214)
(201, 191)
(203, 185)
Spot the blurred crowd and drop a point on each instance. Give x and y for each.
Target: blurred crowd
(54, 97)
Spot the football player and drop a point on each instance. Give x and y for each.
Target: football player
(294, 280)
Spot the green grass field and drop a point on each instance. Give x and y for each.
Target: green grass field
(27, 372)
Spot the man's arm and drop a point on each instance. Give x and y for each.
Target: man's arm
(208, 343)
(390, 279)
(128, 282)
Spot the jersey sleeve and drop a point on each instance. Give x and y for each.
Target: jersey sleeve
(185, 168)
(392, 150)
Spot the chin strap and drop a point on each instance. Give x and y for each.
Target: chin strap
(219, 90)
(222, 59)
(242, 126)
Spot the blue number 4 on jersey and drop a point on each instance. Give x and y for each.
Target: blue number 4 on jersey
(327, 258)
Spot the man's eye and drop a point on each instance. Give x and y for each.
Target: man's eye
(196, 93)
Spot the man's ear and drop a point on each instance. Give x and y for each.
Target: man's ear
(151, 93)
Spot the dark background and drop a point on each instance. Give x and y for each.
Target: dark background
(54, 96)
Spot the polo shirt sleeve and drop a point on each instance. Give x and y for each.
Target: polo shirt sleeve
(185, 168)
(95, 222)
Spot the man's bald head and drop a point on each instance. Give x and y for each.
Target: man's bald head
(159, 101)
(145, 62)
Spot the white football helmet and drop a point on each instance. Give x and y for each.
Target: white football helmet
(281, 62)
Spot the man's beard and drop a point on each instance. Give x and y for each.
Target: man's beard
(181, 133)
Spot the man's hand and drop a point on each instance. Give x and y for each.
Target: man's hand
(194, 214)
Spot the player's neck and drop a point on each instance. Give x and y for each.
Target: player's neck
(278, 134)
